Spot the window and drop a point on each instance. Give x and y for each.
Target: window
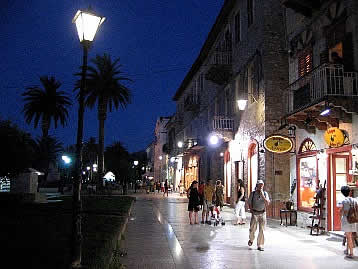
(308, 181)
(305, 62)
(307, 174)
(250, 12)
(237, 27)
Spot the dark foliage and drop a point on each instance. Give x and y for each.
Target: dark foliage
(17, 149)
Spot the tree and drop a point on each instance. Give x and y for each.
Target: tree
(17, 148)
(90, 152)
(104, 87)
(46, 104)
(118, 161)
(47, 150)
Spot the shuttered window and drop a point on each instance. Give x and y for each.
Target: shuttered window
(305, 62)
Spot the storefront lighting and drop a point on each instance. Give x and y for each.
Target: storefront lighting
(160, 157)
(172, 159)
(88, 168)
(180, 144)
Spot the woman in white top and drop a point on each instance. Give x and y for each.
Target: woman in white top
(347, 227)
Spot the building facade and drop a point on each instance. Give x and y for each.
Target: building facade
(243, 58)
(159, 155)
(323, 56)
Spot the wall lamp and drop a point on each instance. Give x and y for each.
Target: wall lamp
(242, 103)
(326, 110)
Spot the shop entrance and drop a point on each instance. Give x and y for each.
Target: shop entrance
(340, 169)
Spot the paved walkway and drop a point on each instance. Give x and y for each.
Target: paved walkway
(159, 236)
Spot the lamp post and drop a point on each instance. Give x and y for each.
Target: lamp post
(87, 24)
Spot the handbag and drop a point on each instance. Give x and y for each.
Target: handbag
(352, 216)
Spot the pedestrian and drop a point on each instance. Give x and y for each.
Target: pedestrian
(258, 203)
(194, 202)
(348, 228)
(166, 187)
(201, 193)
(181, 188)
(240, 203)
(219, 192)
(209, 197)
(162, 186)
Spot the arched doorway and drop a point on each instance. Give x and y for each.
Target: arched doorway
(253, 165)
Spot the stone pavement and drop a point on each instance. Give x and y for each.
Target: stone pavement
(159, 235)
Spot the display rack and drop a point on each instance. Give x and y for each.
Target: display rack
(319, 207)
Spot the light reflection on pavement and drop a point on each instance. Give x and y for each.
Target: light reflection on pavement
(160, 236)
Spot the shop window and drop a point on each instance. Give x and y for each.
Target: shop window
(307, 174)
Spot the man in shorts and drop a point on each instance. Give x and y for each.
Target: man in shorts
(209, 197)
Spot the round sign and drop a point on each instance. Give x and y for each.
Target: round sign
(334, 137)
(278, 143)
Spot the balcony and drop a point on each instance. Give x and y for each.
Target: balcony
(224, 126)
(220, 69)
(192, 103)
(304, 7)
(326, 84)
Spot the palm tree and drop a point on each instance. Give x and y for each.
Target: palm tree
(104, 87)
(46, 104)
(47, 151)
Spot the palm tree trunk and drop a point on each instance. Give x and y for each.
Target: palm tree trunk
(102, 115)
(45, 126)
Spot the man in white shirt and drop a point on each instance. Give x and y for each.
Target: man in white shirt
(258, 203)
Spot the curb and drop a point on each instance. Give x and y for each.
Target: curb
(124, 226)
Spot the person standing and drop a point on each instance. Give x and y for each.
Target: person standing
(201, 193)
(240, 203)
(209, 197)
(194, 202)
(258, 203)
(166, 187)
(348, 228)
(219, 192)
(162, 186)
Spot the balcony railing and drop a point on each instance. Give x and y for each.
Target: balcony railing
(223, 123)
(324, 81)
(221, 58)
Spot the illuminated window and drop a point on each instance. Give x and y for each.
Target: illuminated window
(307, 174)
(307, 145)
(305, 62)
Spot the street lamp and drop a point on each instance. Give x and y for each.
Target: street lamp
(87, 24)
(135, 163)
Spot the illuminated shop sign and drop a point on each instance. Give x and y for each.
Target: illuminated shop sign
(278, 143)
(334, 137)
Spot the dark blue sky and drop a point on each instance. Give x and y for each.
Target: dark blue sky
(156, 40)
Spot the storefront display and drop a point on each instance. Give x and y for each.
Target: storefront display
(308, 181)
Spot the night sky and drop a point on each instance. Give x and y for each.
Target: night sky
(156, 40)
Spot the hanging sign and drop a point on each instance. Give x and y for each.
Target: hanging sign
(334, 137)
(278, 143)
